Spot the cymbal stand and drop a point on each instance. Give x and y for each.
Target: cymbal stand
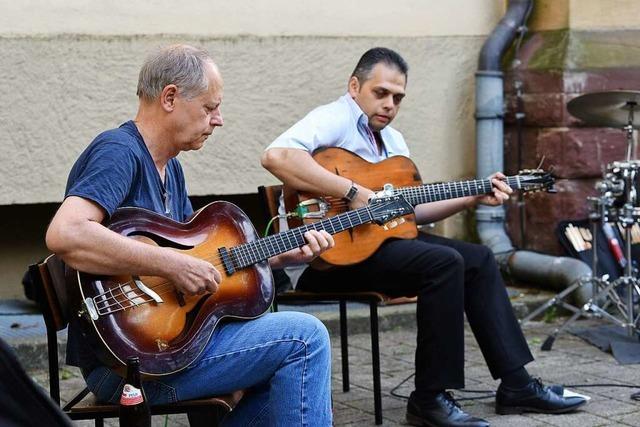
(629, 131)
(630, 280)
(603, 292)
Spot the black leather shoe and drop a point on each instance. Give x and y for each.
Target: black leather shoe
(441, 411)
(535, 397)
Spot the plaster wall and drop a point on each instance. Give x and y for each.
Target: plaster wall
(63, 90)
(401, 18)
(69, 70)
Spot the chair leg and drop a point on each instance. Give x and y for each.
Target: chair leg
(375, 361)
(344, 345)
(209, 417)
(54, 379)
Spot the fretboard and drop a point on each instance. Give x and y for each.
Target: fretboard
(250, 253)
(451, 190)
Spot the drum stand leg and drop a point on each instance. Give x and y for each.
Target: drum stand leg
(589, 310)
(602, 291)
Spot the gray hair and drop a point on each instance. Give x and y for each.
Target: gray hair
(181, 65)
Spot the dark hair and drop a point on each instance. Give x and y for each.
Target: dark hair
(376, 55)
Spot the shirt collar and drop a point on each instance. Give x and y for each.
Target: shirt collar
(357, 113)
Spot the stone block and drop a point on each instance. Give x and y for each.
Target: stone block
(534, 81)
(571, 152)
(546, 109)
(601, 79)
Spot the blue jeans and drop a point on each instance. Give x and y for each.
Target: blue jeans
(282, 359)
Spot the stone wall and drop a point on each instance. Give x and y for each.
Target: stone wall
(556, 66)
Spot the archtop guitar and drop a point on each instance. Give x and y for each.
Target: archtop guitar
(147, 317)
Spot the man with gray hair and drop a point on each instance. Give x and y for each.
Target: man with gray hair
(282, 360)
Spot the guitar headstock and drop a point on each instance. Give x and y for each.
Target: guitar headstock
(536, 180)
(388, 205)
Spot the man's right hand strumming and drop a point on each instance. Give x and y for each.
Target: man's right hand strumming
(193, 276)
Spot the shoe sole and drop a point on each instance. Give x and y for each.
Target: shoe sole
(517, 410)
(413, 420)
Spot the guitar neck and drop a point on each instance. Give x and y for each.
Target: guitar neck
(250, 253)
(452, 190)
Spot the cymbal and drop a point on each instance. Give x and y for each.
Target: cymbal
(610, 109)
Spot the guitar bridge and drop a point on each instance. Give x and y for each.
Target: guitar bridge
(303, 209)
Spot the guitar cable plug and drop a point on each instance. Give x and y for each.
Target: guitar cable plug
(299, 212)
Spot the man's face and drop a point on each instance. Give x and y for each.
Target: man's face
(379, 96)
(197, 117)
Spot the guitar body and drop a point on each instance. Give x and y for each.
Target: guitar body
(167, 336)
(359, 243)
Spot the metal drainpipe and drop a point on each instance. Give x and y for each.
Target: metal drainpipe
(526, 266)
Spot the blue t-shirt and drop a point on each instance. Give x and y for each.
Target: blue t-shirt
(117, 170)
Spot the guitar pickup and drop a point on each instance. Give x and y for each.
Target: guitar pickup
(303, 209)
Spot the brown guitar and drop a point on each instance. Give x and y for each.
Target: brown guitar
(358, 244)
(145, 316)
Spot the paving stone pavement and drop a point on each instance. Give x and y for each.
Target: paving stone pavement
(571, 361)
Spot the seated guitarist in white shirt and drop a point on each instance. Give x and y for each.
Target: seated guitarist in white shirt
(449, 277)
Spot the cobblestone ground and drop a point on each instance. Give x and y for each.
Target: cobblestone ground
(570, 362)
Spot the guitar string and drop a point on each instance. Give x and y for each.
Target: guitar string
(432, 191)
(112, 300)
(243, 251)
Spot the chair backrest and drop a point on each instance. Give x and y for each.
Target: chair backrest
(49, 280)
(270, 200)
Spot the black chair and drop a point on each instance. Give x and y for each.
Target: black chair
(270, 200)
(49, 283)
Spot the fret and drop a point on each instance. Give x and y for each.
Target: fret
(259, 250)
(349, 219)
(428, 193)
(234, 254)
(269, 244)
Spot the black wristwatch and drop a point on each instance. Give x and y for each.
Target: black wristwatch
(351, 194)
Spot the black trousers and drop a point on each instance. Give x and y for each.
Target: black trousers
(450, 278)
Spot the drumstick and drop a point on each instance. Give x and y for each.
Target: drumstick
(567, 233)
(584, 233)
(579, 237)
(575, 239)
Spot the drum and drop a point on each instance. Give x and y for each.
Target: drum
(620, 183)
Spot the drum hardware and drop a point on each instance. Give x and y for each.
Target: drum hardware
(606, 301)
(615, 301)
